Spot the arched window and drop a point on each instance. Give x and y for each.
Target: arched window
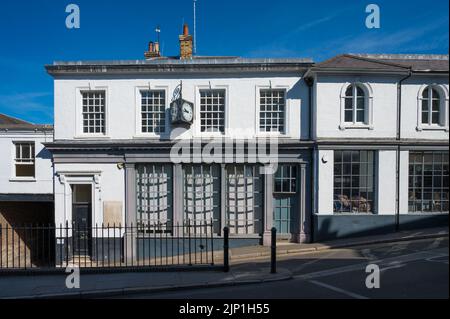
(431, 106)
(355, 105)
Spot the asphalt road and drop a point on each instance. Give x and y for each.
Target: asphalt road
(416, 269)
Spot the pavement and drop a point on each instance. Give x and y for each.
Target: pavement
(249, 268)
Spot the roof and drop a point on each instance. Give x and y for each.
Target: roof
(384, 63)
(417, 62)
(14, 124)
(174, 65)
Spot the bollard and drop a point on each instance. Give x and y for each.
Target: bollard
(273, 259)
(226, 248)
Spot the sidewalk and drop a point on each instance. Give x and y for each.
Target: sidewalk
(247, 253)
(117, 284)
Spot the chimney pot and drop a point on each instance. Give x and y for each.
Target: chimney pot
(185, 30)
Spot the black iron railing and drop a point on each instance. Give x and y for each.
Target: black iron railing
(108, 246)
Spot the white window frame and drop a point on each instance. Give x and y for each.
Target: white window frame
(197, 119)
(258, 89)
(15, 162)
(79, 113)
(138, 112)
(368, 107)
(443, 110)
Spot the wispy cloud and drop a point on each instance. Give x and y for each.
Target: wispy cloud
(31, 106)
(280, 47)
(423, 39)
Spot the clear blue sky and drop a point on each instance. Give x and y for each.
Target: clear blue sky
(33, 33)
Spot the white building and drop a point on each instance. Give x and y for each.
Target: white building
(26, 172)
(361, 141)
(381, 132)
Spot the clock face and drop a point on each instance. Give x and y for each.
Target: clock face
(187, 112)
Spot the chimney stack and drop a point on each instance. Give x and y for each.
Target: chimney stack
(153, 51)
(186, 44)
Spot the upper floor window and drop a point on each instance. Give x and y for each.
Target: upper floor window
(212, 111)
(94, 112)
(272, 111)
(355, 105)
(431, 106)
(25, 159)
(153, 111)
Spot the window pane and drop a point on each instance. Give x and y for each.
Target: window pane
(93, 112)
(272, 111)
(429, 184)
(354, 182)
(212, 111)
(24, 170)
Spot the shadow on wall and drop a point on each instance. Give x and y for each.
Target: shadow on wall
(350, 226)
(16, 242)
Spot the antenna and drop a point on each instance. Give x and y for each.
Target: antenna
(195, 26)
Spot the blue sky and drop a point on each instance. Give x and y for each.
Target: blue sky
(33, 33)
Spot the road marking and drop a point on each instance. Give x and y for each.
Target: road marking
(433, 260)
(388, 261)
(435, 244)
(342, 291)
(368, 254)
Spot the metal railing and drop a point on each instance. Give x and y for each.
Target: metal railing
(149, 245)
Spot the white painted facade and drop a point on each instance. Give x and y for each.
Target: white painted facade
(42, 183)
(123, 104)
(382, 99)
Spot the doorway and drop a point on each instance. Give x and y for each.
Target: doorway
(82, 219)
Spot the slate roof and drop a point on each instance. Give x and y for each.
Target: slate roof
(14, 124)
(385, 63)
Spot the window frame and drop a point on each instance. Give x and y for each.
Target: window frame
(30, 162)
(368, 106)
(258, 110)
(412, 178)
(197, 118)
(443, 124)
(374, 172)
(138, 111)
(79, 112)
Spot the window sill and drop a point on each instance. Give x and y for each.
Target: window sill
(344, 127)
(432, 128)
(22, 180)
(92, 137)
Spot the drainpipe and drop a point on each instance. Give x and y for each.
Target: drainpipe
(398, 139)
(310, 83)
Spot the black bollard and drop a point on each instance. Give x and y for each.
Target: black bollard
(226, 248)
(273, 259)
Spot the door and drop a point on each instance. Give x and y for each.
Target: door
(82, 220)
(285, 200)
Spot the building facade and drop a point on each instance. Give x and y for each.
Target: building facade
(353, 146)
(381, 132)
(26, 183)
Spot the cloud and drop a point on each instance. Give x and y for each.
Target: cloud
(281, 47)
(31, 106)
(424, 38)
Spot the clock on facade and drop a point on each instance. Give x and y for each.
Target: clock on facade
(182, 112)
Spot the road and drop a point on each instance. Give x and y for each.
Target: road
(416, 269)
